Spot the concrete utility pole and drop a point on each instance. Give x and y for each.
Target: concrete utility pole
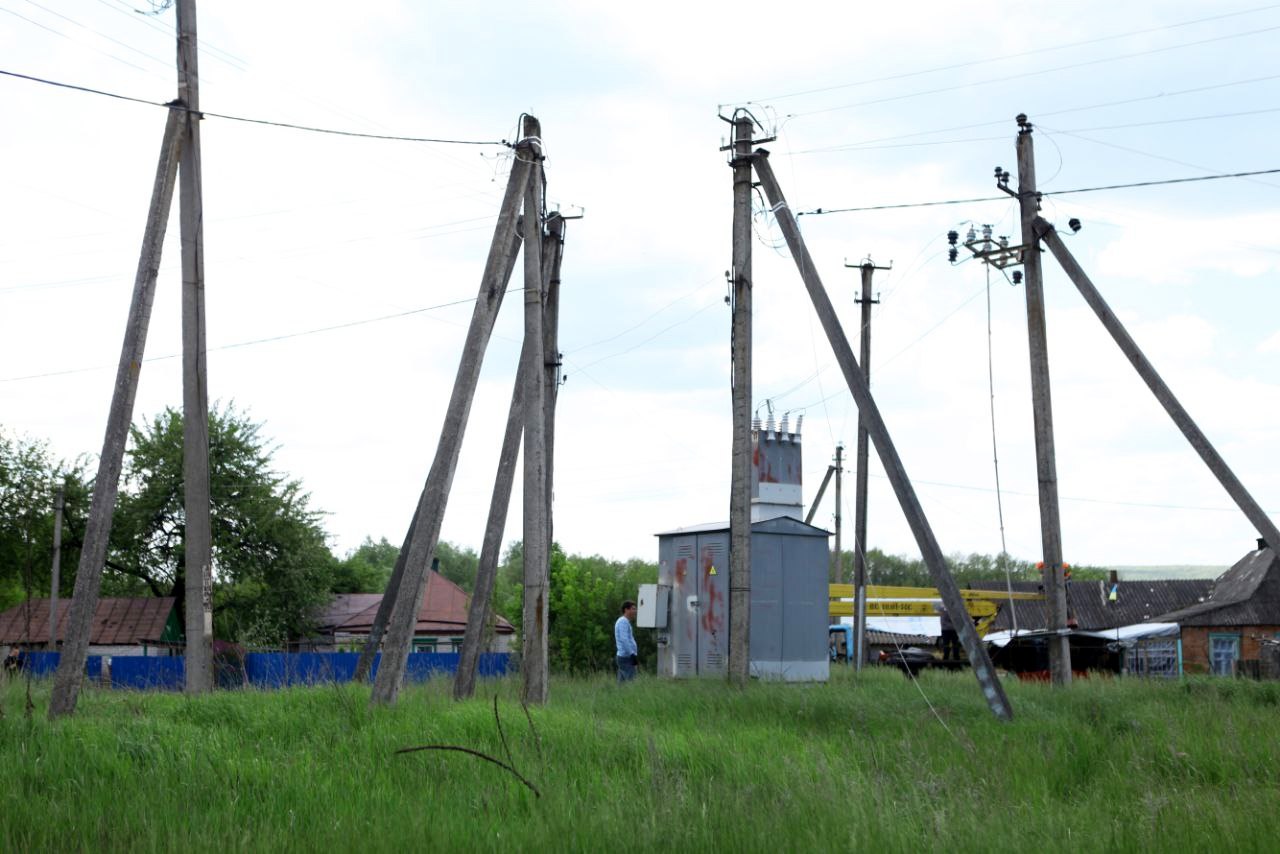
(93, 552)
(365, 663)
(59, 500)
(552, 256)
(868, 269)
(1055, 589)
(839, 472)
(536, 547)
(198, 536)
(1251, 509)
(740, 480)
(435, 494)
(869, 414)
(480, 609)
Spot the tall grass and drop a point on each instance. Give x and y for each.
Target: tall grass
(861, 764)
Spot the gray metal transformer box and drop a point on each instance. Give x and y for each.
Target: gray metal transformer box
(789, 601)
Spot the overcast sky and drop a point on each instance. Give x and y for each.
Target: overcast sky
(873, 104)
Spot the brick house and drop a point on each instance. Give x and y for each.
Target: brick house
(1225, 633)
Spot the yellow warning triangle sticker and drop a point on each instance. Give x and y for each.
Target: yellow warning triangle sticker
(712, 572)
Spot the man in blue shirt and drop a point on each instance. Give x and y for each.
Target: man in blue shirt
(625, 640)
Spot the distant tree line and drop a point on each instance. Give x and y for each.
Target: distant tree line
(273, 567)
(906, 571)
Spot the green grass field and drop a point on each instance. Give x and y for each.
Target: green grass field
(852, 765)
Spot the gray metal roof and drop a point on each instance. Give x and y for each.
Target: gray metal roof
(1090, 604)
(777, 525)
(1247, 594)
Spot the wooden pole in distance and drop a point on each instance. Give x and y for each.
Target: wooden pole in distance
(879, 432)
(93, 552)
(1251, 509)
(365, 663)
(740, 479)
(435, 494)
(536, 547)
(839, 566)
(817, 499)
(59, 501)
(868, 269)
(198, 537)
(1055, 587)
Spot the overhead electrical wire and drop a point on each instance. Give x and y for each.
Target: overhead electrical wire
(1004, 81)
(992, 59)
(268, 339)
(871, 144)
(1156, 183)
(268, 122)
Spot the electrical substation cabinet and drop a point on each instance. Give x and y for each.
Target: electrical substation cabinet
(651, 606)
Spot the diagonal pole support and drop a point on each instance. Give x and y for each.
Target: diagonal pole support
(93, 553)
(1251, 509)
(879, 432)
(435, 494)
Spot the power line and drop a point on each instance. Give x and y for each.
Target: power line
(992, 59)
(1036, 73)
(47, 28)
(823, 211)
(289, 125)
(870, 144)
(636, 326)
(100, 35)
(1083, 500)
(267, 340)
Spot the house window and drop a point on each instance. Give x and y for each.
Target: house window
(1153, 657)
(1224, 652)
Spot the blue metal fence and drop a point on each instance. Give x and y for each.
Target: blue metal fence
(279, 669)
(148, 672)
(42, 664)
(263, 669)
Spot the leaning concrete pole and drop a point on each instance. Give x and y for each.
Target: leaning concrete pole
(1199, 441)
(93, 552)
(536, 545)
(879, 432)
(740, 477)
(1055, 587)
(198, 526)
(365, 663)
(480, 608)
(435, 494)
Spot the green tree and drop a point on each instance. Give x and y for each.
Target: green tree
(28, 477)
(272, 567)
(366, 569)
(585, 600)
(458, 564)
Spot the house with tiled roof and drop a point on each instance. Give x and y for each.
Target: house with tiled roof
(345, 623)
(121, 626)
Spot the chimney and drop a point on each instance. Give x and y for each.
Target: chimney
(1262, 543)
